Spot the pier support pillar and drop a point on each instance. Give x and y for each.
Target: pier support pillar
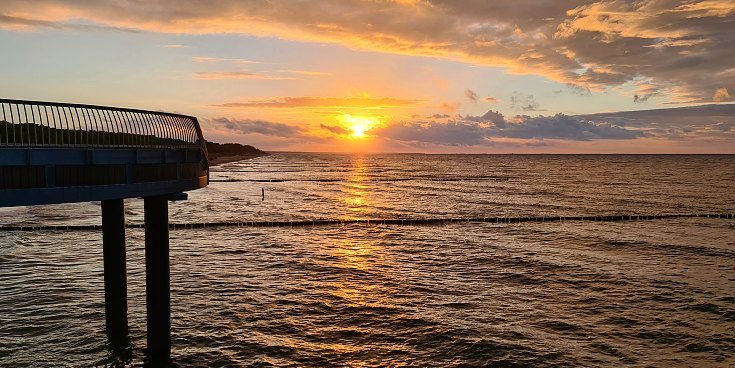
(158, 300)
(113, 249)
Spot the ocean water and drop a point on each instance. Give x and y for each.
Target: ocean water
(655, 293)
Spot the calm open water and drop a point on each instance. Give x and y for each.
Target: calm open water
(642, 293)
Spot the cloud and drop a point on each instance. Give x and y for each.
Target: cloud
(471, 95)
(724, 127)
(565, 127)
(682, 117)
(644, 97)
(13, 23)
(335, 129)
(175, 46)
(208, 59)
(323, 102)
(303, 72)
(455, 133)
(681, 46)
(721, 94)
(492, 127)
(491, 116)
(237, 75)
(449, 106)
(490, 99)
(645, 89)
(525, 103)
(267, 128)
(704, 123)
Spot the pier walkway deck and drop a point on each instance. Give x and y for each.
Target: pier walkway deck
(59, 153)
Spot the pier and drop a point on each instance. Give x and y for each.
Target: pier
(60, 153)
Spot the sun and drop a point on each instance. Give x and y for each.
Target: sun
(359, 125)
(358, 130)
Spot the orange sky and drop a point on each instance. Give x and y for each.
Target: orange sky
(397, 76)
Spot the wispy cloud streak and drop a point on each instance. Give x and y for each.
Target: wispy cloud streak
(323, 102)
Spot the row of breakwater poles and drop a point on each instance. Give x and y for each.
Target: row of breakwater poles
(157, 283)
(374, 221)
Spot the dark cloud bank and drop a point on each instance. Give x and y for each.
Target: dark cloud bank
(247, 126)
(712, 121)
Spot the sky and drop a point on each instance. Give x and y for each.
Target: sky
(433, 76)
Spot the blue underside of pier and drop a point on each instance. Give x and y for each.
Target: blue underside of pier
(42, 175)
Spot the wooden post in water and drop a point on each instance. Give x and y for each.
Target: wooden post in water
(113, 250)
(157, 284)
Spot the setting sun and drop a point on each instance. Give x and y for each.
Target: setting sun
(359, 125)
(358, 130)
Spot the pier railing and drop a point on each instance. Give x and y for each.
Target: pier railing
(36, 123)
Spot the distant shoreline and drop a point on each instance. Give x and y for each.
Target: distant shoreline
(219, 160)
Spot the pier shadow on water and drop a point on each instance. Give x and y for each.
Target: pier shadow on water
(122, 353)
(119, 351)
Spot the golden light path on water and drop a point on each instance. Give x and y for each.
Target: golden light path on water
(357, 197)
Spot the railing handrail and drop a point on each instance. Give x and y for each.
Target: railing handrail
(57, 124)
(97, 107)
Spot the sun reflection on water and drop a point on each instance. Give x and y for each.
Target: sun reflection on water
(357, 258)
(357, 197)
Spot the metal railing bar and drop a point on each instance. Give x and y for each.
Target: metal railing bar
(56, 128)
(48, 122)
(6, 124)
(27, 124)
(105, 126)
(183, 126)
(120, 128)
(190, 132)
(133, 123)
(45, 125)
(87, 125)
(125, 137)
(169, 127)
(12, 118)
(166, 125)
(113, 128)
(65, 139)
(156, 128)
(156, 125)
(90, 127)
(182, 129)
(73, 131)
(79, 124)
(133, 128)
(146, 127)
(100, 125)
(36, 123)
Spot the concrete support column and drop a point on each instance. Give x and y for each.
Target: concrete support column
(158, 303)
(113, 249)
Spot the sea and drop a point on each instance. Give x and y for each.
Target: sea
(633, 293)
